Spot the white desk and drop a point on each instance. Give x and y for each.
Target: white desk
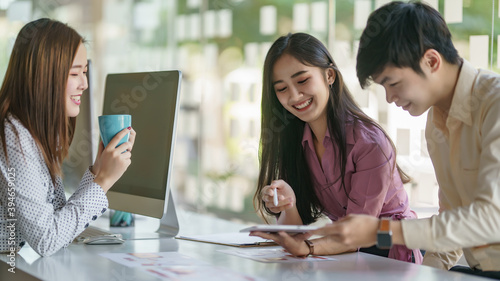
(83, 262)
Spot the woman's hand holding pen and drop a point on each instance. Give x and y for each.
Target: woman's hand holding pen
(111, 162)
(281, 192)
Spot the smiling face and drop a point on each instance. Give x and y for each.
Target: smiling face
(77, 82)
(413, 92)
(303, 90)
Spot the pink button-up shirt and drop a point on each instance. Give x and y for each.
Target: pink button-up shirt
(371, 180)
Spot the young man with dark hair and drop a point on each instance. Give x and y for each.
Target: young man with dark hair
(407, 48)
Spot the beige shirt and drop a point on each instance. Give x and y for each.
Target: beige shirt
(465, 150)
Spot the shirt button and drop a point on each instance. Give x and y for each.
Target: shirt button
(94, 218)
(103, 210)
(87, 225)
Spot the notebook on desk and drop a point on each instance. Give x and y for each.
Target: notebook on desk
(233, 239)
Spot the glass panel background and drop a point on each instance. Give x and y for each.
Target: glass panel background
(220, 45)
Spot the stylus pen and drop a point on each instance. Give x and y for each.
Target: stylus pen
(275, 197)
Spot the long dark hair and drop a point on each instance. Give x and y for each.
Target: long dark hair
(281, 153)
(34, 88)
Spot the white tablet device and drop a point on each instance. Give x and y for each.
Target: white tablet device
(276, 228)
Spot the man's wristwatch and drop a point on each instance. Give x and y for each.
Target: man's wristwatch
(384, 234)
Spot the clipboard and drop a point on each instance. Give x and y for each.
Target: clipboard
(233, 239)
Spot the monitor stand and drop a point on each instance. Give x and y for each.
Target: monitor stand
(147, 227)
(169, 225)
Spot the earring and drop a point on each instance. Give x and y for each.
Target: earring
(331, 86)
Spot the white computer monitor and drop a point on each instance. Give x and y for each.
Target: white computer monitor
(152, 98)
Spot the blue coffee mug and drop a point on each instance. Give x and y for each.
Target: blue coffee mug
(110, 125)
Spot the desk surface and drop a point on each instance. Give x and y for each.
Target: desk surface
(83, 262)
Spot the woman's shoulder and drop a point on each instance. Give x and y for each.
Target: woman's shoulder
(13, 126)
(363, 132)
(368, 138)
(18, 136)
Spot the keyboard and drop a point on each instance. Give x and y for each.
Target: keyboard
(91, 232)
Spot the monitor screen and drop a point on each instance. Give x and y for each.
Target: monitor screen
(152, 98)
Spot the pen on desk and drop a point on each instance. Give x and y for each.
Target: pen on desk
(275, 197)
